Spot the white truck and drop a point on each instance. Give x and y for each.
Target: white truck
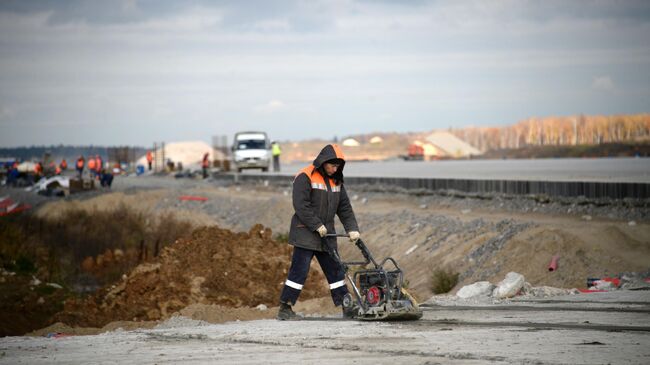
(251, 150)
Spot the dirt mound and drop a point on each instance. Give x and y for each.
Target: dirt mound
(213, 267)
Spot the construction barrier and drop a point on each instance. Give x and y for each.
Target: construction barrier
(587, 189)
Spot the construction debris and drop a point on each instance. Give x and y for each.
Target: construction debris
(481, 288)
(510, 286)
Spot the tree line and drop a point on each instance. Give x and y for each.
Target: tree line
(57, 152)
(560, 131)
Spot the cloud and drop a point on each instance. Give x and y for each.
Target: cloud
(603, 83)
(271, 107)
(344, 64)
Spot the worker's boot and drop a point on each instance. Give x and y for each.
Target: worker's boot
(285, 313)
(351, 312)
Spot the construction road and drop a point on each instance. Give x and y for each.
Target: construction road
(598, 328)
(567, 169)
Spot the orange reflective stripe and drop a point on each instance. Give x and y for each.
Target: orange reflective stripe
(338, 152)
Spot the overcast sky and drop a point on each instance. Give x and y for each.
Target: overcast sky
(134, 72)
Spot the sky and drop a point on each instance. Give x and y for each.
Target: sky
(129, 72)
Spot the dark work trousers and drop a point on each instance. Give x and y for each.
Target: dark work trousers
(276, 163)
(300, 268)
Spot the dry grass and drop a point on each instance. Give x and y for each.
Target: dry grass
(56, 248)
(443, 280)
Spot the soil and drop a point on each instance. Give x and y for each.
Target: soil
(215, 267)
(24, 306)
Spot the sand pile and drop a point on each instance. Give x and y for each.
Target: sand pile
(188, 153)
(213, 267)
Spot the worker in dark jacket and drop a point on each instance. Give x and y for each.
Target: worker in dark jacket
(318, 195)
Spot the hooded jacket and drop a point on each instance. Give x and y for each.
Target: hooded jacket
(317, 198)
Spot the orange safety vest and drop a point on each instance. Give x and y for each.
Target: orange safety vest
(149, 156)
(64, 164)
(80, 163)
(57, 171)
(98, 162)
(91, 164)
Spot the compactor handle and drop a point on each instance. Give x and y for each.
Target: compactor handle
(337, 235)
(360, 245)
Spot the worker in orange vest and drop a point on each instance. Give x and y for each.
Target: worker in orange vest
(92, 166)
(64, 164)
(98, 165)
(80, 165)
(205, 164)
(38, 171)
(149, 159)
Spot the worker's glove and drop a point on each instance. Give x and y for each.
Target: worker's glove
(322, 231)
(354, 236)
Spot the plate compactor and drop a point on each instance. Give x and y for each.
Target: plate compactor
(379, 293)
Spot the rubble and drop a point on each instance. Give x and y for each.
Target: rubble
(262, 307)
(603, 285)
(635, 280)
(481, 288)
(546, 291)
(510, 286)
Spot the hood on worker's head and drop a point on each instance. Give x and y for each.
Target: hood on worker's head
(331, 152)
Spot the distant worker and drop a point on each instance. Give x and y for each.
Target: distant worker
(98, 165)
(149, 159)
(80, 165)
(57, 170)
(92, 167)
(276, 151)
(205, 164)
(38, 170)
(13, 174)
(105, 178)
(63, 165)
(318, 195)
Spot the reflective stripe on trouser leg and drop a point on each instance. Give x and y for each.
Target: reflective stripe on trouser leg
(335, 276)
(300, 261)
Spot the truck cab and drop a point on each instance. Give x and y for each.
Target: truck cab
(251, 150)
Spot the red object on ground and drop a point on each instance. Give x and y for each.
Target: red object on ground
(190, 197)
(615, 281)
(553, 265)
(7, 206)
(587, 291)
(5, 202)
